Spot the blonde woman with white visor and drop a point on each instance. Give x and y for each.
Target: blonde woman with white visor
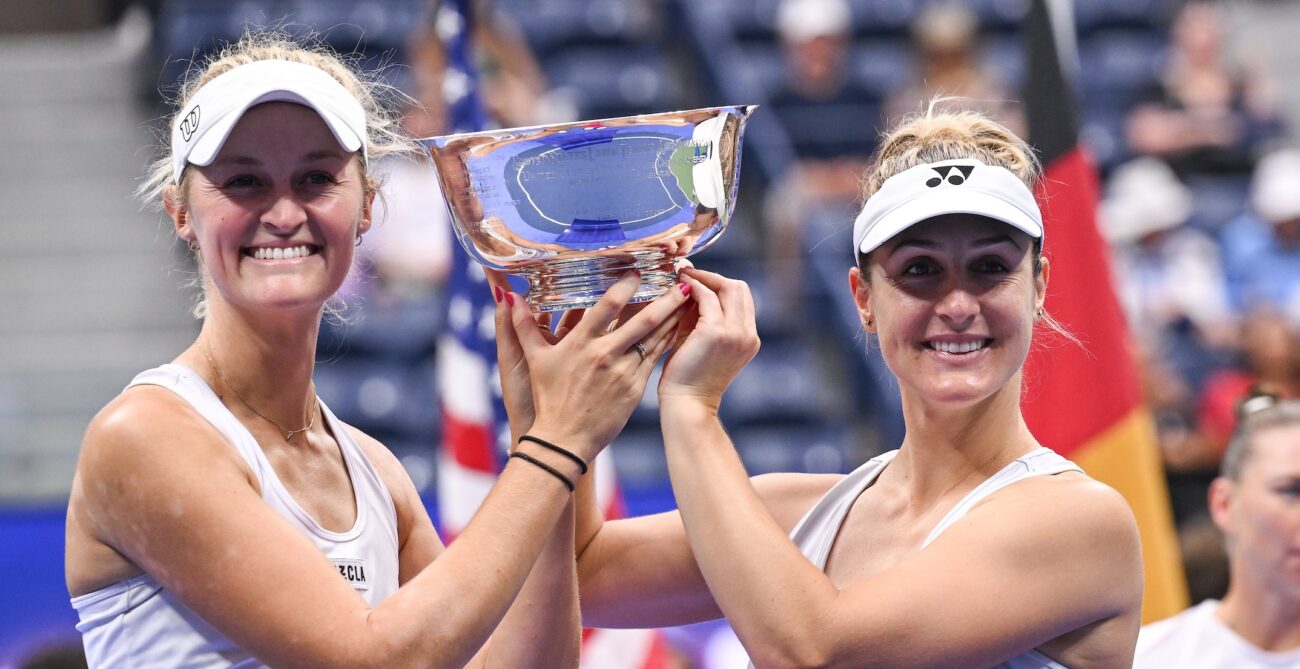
(971, 545)
(222, 516)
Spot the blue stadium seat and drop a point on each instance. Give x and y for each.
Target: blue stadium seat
(383, 396)
(554, 25)
(402, 329)
(368, 26)
(1004, 56)
(882, 65)
(1121, 63)
(999, 15)
(883, 17)
(751, 20)
(1102, 131)
(639, 457)
(792, 448)
(615, 81)
(759, 69)
(189, 30)
(784, 383)
(1092, 15)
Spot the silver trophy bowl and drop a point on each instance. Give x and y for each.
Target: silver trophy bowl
(573, 206)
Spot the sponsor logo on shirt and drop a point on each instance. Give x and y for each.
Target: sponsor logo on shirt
(353, 571)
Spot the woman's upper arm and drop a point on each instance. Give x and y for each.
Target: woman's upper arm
(169, 493)
(641, 572)
(789, 497)
(418, 541)
(1031, 563)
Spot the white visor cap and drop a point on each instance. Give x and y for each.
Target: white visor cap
(199, 133)
(948, 187)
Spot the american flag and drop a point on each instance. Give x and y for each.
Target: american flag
(476, 433)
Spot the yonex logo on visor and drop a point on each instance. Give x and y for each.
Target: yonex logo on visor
(964, 186)
(953, 174)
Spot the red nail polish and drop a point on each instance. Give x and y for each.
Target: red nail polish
(685, 288)
(496, 292)
(510, 299)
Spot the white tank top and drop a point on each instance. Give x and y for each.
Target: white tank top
(137, 623)
(816, 531)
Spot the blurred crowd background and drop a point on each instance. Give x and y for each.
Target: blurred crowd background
(1188, 108)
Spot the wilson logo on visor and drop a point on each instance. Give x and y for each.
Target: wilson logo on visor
(953, 174)
(190, 124)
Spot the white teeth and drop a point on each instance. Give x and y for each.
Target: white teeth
(282, 253)
(964, 347)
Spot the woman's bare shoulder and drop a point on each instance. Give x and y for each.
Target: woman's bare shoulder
(148, 437)
(1075, 494)
(788, 496)
(143, 418)
(1072, 516)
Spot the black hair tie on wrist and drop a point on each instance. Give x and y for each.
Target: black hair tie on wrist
(551, 470)
(582, 464)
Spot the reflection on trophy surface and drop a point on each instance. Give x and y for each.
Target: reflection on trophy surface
(573, 206)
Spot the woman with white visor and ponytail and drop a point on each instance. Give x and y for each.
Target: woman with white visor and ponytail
(971, 545)
(222, 516)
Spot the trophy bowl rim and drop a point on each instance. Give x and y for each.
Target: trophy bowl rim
(431, 141)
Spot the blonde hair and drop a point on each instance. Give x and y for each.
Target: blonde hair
(384, 136)
(932, 136)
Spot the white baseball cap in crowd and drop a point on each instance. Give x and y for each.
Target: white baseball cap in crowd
(1273, 190)
(200, 130)
(965, 186)
(803, 20)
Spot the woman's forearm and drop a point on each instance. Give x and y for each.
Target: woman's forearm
(756, 574)
(449, 609)
(542, 628)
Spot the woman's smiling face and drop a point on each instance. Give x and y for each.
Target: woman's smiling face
(277, 212)
(953, 301)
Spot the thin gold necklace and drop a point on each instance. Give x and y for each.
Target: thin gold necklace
(288, 434)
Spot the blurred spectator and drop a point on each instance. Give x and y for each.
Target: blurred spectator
(831, 121)
(1168, 275)
(1208, 115)
(1269, 356)
(946, 38)
(1253, 502)
(1205, 559)
(819, 87)
(1262, 246)
(1171, 399)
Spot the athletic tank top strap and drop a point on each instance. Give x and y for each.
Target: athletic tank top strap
(371, 494)
(816, 531)
(191, 387)
(1041, 461)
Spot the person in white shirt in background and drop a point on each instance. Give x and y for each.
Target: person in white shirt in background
(1256, 503)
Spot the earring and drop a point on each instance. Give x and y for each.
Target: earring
(870, 321)
(1040, 313)
(193, 246)
(359, 239)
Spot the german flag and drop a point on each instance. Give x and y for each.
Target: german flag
(1086, 402)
